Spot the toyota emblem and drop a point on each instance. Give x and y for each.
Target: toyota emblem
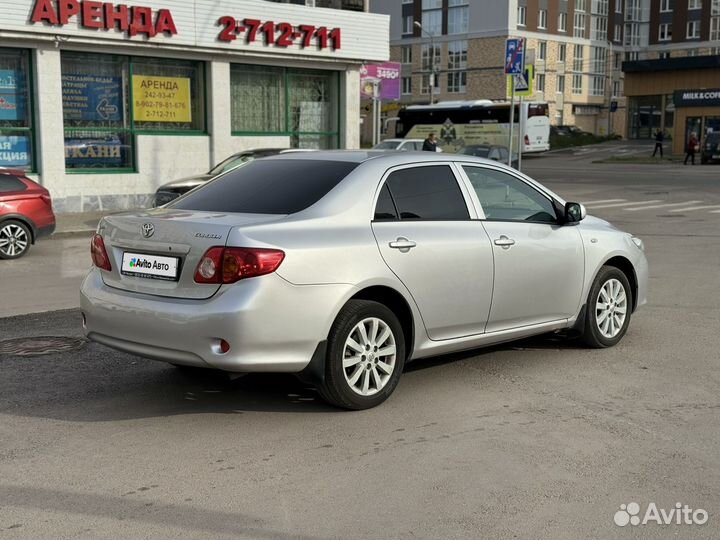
(148, 229)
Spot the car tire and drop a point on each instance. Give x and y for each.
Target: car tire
(19, 232)
(356, 376)
(609, 307)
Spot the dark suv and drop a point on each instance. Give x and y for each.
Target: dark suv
(710, 148)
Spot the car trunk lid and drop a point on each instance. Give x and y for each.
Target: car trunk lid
(157, 252)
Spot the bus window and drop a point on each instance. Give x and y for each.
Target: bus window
(537, 109)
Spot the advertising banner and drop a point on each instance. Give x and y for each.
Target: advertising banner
(386, 75)
(452, 137)
(12, 95)
(92, 98)
(15, 151)
(161, 99)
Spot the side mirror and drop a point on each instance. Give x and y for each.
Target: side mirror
(574, 212)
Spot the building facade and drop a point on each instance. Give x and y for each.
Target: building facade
(579, 48)
(103, 102)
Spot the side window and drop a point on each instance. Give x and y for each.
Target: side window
(385, 209)
(494, 154)
(427, 193)
(9, 183)
(417, 145)
(503, 154)
(506, 198)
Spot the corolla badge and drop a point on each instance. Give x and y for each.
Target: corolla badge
(148, 229)
(208, 235)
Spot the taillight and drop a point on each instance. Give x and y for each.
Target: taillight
(99, 255)
(527, 140)
(231, 264)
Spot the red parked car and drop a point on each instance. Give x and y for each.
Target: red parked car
(26, 213)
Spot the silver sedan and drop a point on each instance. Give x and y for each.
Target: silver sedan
(343, 266)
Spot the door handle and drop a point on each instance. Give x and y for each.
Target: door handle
(403, 244)
(504, 242)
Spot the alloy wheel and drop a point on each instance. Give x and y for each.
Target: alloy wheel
(369, 356)
(13, 240)
(611, 308)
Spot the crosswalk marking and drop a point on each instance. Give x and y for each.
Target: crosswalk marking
(588, 203)
(652, 207)
(617, 205)
(695, 208)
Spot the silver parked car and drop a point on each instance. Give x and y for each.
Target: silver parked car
(342, 266)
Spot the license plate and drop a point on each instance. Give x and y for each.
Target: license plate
(150, 266)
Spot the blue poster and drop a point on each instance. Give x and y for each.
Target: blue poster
(93, 98)
(12, 95)
(15, 151)
(90, 152)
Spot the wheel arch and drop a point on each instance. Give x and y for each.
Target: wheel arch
(626, 267)
(24, 220)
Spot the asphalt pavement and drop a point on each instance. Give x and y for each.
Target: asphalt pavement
(537, 439)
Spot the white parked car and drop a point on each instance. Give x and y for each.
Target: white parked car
(403, 145)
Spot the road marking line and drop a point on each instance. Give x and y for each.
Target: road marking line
(617, 205)
(695, 208)
(587, 203)
(661, 206)
(715, 211)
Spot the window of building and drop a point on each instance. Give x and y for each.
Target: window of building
(631, 56)
(16, 118)
(714, 28)
(108, 99)
(562, 22)
(521, 14)
(540, 82)
(617, 33)
(597, 86)
(693, 52)
(432, 17)
(577, 84)
(600, 7)
(430, 57)
(457, 64)
(560, 84)
(663, 55)
(617, 88)
(632, 35)
(694, 4)
(425, 84)
(665, 32)
(578, 58)
(406, 54)
(665, 6)
(300, 103)
(579, 25)
(693, 29)
(542, 19)
(618, 6)
(562, 51)
(408, 1)
(599, 60)
(715, 8)
(408, 24)
(406, 83)
(598, 31)
(430, 193)
(580, 5)
(616, 60)
(542, 50)
(458, 18)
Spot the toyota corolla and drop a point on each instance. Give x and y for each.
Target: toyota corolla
(343, 266)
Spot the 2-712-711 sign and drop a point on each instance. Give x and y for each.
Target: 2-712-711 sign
(279, 34)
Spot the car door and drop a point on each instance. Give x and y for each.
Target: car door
(539, 263)
(427, 237)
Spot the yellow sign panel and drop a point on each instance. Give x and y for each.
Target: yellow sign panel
(452, 137)
(161, 99)
(529, 77)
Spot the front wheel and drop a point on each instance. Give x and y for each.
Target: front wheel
(365, 356)
(15, 239)
(609, 306)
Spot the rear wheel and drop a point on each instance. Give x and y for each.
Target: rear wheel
(15, 239)
(365, 356)
(609, 306)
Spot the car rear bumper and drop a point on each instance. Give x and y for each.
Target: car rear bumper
(47, 230)
(270, 324)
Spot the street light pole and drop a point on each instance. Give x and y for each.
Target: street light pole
(611, 74)
(432, 61)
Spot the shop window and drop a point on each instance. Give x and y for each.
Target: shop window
(16, 126)
(108, 99)
(302, 104)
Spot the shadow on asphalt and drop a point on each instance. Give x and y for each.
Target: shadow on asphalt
(99, 384)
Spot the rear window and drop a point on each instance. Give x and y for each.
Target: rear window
(9, 183)
(270, 186)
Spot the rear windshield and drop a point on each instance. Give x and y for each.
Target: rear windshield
(9, 183)
(275, 186)
(387, 145)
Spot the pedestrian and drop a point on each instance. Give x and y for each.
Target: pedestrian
(659, 138)
(430, 144)
(691, 149)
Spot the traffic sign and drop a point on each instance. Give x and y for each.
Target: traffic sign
(523, 83)
(514, 56)
(613, 106)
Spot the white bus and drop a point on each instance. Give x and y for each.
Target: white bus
(461, 123)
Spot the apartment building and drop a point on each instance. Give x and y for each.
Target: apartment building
(576, 46)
